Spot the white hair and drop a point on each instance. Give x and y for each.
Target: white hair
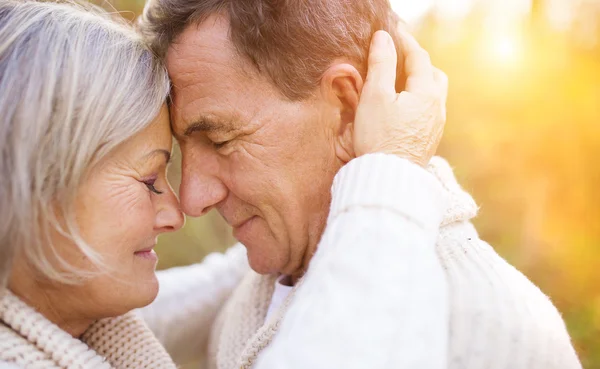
(74, 84)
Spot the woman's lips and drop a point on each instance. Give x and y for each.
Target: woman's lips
(149, 254)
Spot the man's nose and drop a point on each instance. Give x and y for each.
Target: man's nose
(201, 189)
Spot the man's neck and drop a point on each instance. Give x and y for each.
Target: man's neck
(313, 243)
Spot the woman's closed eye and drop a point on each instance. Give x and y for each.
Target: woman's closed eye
(150, 184)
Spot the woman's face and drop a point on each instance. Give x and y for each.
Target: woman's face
(123, 205)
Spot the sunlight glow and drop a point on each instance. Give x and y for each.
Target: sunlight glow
(505, 49)
(410, 10)
(510, 8)
(454, 9)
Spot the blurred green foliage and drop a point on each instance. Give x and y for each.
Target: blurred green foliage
(523, 134)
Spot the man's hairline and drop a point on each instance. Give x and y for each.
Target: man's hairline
(250, 66)
(175, 39)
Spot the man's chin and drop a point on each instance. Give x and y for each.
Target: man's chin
(266, 259)
(262, 264)
(263, 249)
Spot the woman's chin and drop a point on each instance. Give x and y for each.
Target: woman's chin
(144, 288)
(139, 294)
(119, 295)
(147, 291)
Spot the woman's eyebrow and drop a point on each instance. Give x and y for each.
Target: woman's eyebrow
(166, 153)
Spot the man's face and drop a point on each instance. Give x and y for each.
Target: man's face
(264, 162)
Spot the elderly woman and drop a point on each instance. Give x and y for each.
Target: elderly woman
(85, 142)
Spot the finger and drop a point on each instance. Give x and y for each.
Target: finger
(441, 80)
(381, 74)
(417, 65)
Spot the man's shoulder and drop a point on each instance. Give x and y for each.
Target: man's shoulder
(488, 294)
(493, 306)
(475, 271)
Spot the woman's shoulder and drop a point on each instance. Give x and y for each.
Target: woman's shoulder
(8, 340)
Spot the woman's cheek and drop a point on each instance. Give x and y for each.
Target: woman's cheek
(136, 209)
(122, 214)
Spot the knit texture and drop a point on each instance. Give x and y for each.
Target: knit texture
(497, 318)
(30, 341)
(188, 302)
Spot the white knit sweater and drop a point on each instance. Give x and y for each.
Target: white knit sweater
(390, 313)
(403, 228)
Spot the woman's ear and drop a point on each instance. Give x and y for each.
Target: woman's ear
(341, 86)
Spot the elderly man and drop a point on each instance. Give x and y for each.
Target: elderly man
(265, 94)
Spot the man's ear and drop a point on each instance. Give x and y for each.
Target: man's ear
(341, 86)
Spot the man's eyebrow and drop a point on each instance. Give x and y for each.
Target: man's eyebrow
(205, 125)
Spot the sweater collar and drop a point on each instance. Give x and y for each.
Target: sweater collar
(244, 326)
(461, 206)
(265, 333)
(119, 342)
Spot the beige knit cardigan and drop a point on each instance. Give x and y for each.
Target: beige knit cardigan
(30, 341)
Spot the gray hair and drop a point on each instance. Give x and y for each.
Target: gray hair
(74, 84)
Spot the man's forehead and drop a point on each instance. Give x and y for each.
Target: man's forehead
(201, 46)
(208, 75)
(196, 62)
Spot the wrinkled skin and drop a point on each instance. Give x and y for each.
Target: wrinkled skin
(267, 163)
(124, 203)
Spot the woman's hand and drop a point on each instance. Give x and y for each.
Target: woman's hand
(410, 123)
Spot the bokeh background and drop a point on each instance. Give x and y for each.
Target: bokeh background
(523, 135)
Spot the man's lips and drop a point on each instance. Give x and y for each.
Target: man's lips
(242, 229)
(240, 224)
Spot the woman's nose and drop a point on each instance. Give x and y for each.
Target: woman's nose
(201, 188)
(169, 217)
